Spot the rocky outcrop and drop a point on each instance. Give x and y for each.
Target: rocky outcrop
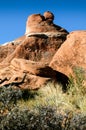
(42, 54)
(37, 44)
(9, 47)
(26, 63)
(72, 54)
(38, 23)
(26, 74)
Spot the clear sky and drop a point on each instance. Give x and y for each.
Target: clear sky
(70, 14)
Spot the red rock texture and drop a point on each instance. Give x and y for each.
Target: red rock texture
(25, 61)
(38, 23)
(9, 47)
(43, 54)
(25, 74)
(37, 48)
(49, 16)
(6, 50)
(72, 54)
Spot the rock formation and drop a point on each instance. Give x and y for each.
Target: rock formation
(25, 61)
(72, 54)
(38, 23)
(42, 54)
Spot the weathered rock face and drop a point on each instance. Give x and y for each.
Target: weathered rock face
(49, 16)
(25, 74)
(9, 47)
(26, 62)
(71, 54)
(6, 50)
(37, 23)
(37, 48)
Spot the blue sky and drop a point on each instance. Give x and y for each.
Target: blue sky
(70, 14)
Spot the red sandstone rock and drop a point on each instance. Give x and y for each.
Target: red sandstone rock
(37, 23)
(26, 74)
(49, 16)
(41, 54)
(6, 50)
(38, 47)
(20, 39)
(35, 19)
(25, 61)
(71, 54)
(9, 47)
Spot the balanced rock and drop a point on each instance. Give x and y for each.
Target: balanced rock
(38, 23)
(49, 16)
(71, 55)
(37, 46)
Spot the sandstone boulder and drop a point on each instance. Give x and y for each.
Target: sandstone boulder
(72, 54)
(38, 23)
(28, 74)
(25, 74)
(49, 16)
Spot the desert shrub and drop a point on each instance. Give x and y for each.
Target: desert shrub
(78, 122)
(14, 120)
(47, 118)
(9, 96)
(44, 119)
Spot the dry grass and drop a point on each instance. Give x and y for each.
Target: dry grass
(52, 95)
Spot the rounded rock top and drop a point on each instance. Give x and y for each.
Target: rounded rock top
(35, 18)
(37, 23)
(49, 15)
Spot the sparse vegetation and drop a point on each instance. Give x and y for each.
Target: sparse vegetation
(48, 108)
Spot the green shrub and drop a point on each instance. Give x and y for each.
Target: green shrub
(47, 118)
(9, 96)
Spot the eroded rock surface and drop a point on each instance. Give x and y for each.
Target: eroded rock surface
(25, 61)
(72, 54)
(37, 23)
